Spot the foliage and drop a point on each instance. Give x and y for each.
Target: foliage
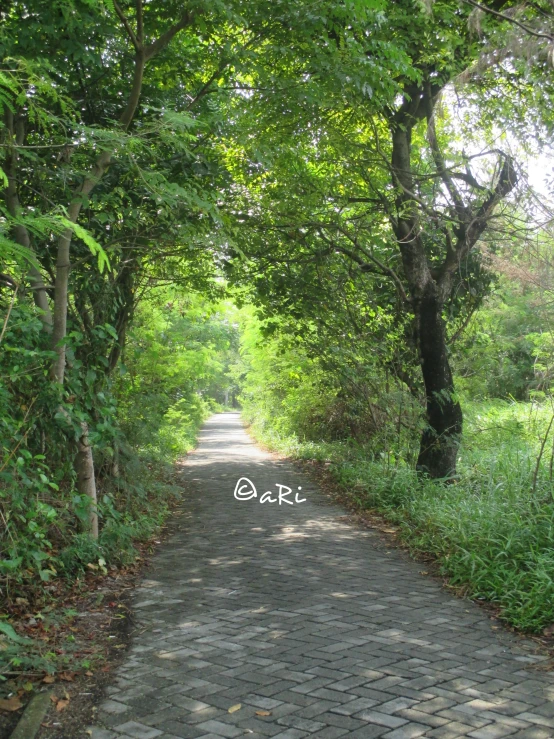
(343, 166)
(175, 366)
(176, 354)
(492, 532)
(67, 105)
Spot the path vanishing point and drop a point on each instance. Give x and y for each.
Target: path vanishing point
(259, 620)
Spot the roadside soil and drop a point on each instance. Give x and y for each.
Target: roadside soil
(88, 627)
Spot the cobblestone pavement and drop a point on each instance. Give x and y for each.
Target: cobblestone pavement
(309, 623)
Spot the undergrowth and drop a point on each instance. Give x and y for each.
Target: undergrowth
(140, 420)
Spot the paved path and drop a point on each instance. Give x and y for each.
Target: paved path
(309, 623)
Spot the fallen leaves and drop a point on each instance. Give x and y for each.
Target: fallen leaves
(61, 703)
(10, 704)
(234, 708)
(67, 628)
(263, 713)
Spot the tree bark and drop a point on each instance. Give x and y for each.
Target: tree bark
(86, 482)
(144, 53)
(441, 437)
(84, 462)
(64, 242)
(430, 289)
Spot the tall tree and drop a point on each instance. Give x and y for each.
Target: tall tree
(374, 175)
(86, 90)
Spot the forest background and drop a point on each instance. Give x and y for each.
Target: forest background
(317, 212)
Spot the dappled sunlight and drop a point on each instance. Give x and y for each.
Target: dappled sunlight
(262, 594)
(316, 528)
(224, 452)
(223, 561)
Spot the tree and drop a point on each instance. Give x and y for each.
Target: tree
(83, 104)
(379, 179)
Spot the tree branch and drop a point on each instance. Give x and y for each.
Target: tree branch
(504, 17)
(473, 228)
(140, 23)
(127, 26)
(439, 160)
(156, 46)
(386, 270)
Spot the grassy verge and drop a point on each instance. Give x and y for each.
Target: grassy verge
(491, 532)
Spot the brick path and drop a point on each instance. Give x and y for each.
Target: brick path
(310, 624)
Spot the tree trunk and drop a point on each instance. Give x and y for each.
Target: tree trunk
(84, 463)
(90, 181)
(15, 127)
(429, 287)
(441, 438)
(86, 483)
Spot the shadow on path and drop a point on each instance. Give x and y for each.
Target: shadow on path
(309, 624)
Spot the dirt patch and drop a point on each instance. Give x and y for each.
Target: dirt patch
(87, 628)
(109, 628)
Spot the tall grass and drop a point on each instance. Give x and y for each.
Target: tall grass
(492, 532)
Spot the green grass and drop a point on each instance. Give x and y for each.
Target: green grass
(491, 532)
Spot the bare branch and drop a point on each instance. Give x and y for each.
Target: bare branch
(471, 230)
(122, 17)
(439, 160)
(508, 18)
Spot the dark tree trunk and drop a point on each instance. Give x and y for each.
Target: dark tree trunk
(441, 438)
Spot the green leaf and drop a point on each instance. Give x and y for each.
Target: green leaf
(10, 632)
(90, 241)
(11, 250)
